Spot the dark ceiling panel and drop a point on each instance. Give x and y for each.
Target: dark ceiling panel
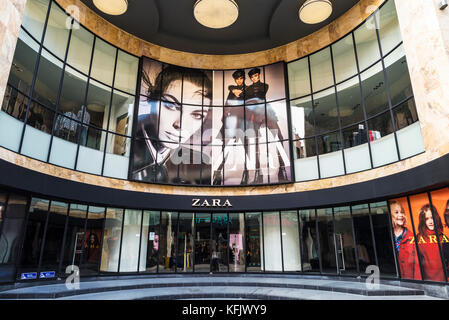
(261, 25)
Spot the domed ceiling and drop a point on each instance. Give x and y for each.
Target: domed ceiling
(261, 25)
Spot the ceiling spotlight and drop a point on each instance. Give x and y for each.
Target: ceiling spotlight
(315, 11)
(216, 14)
(112, 7)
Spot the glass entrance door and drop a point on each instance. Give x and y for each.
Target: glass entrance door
(202, 242)
(219, 243)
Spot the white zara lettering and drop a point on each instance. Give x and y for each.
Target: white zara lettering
(197, 202)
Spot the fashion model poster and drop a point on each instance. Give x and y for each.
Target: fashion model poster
(426, 239)
(211, 127)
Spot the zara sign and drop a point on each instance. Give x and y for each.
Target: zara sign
(198, 202)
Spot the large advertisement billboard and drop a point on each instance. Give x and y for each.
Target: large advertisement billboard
(204, 127)
(421, 234)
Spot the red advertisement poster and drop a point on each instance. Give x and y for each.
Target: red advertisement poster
(404, 239)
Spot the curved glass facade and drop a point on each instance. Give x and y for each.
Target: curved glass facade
(41, 235)
(74, 92)
(351, 103)
(72, 100)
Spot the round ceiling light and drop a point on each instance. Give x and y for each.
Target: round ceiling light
(112, 7)
(216, 14)
(315, 11)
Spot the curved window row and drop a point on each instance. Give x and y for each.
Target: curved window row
(405, 238)
(351, 103)
(76, 101)
(74, 92)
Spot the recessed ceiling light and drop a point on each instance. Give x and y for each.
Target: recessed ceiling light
(315, 11)
(216, 14)
(112, 7)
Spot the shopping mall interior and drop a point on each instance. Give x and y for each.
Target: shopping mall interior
(153, 140)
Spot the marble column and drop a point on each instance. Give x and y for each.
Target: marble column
(425, 32)
(11, 13)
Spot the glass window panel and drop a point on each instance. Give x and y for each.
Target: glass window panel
(357, 156)
(111, 240)
(15, 106)
(302, 118)
(57, 33)
(90, 155)
(51, 255)
(36, 140)
(122, 111)
(184, 257)
(254, 244)
(405, 114)
(389, 32)
(64, 144)
(150, 81)
(12, 223)
(350, 102)
(130, 241)
(202, 242)
(330, 142)
(279, 165)
(150, 256)
(409, 133)
(237, 256)
(72, 92)
(34, 17)
(309, 241)
(272, 241)
(169, 228)
(398, 76)
(274, 76)
(290, 241)
(66, 127)
(364, 237)
(298, 78)
(80, 49)
(306, 163)
(192, 88)
(117, 156)
(73, 243)
(277, 121)
(34, 235)
(327, 241)
(366, 43)
(217, 88)
(344, 59)
(103, 62)
(375, 94)
(383, 145)
(345, 241)
(98, 101)
(92, 244)
(428, 232)
(321, 68)
(440, 201)
(382, 236)
(40, 117)
(126, 73)
(326, 113)
(23, 64)
(404, 239)
(257, 87)
(48, 78)
(11, 128)
(219, 243)
(331, 164)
